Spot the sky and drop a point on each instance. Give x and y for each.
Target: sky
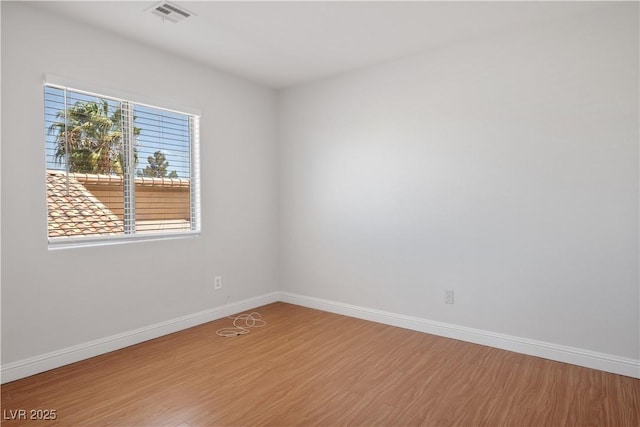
(162, 130)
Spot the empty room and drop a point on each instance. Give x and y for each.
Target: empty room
(320, 213)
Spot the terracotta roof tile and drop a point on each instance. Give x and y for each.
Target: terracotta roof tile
(74, 211)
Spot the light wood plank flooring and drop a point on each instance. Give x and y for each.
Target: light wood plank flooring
(308, 367)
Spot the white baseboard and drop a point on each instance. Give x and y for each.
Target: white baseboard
(559, 353)
(576, 356)
(55, 359)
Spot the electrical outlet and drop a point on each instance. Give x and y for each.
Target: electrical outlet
(448, 296)
(217, 283)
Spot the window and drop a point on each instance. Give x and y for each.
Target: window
(117, 169)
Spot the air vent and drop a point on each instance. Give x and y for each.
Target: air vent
(170, 12)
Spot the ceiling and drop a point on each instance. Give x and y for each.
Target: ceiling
(281, 44)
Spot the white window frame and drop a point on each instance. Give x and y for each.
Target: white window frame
(195, 208)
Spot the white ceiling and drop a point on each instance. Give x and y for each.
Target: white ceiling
(281, 44)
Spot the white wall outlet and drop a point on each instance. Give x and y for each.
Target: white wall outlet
(448, 296)
(217, 283)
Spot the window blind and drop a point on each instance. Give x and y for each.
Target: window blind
(118, 169)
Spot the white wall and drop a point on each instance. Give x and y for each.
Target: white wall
(55, 299)
(505, 169)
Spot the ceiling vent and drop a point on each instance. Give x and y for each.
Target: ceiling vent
(170, 12)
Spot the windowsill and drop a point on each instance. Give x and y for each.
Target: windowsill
(83, 242)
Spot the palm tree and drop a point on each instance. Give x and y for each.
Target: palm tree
(91, 139)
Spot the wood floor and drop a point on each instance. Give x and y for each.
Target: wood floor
(308, 367)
